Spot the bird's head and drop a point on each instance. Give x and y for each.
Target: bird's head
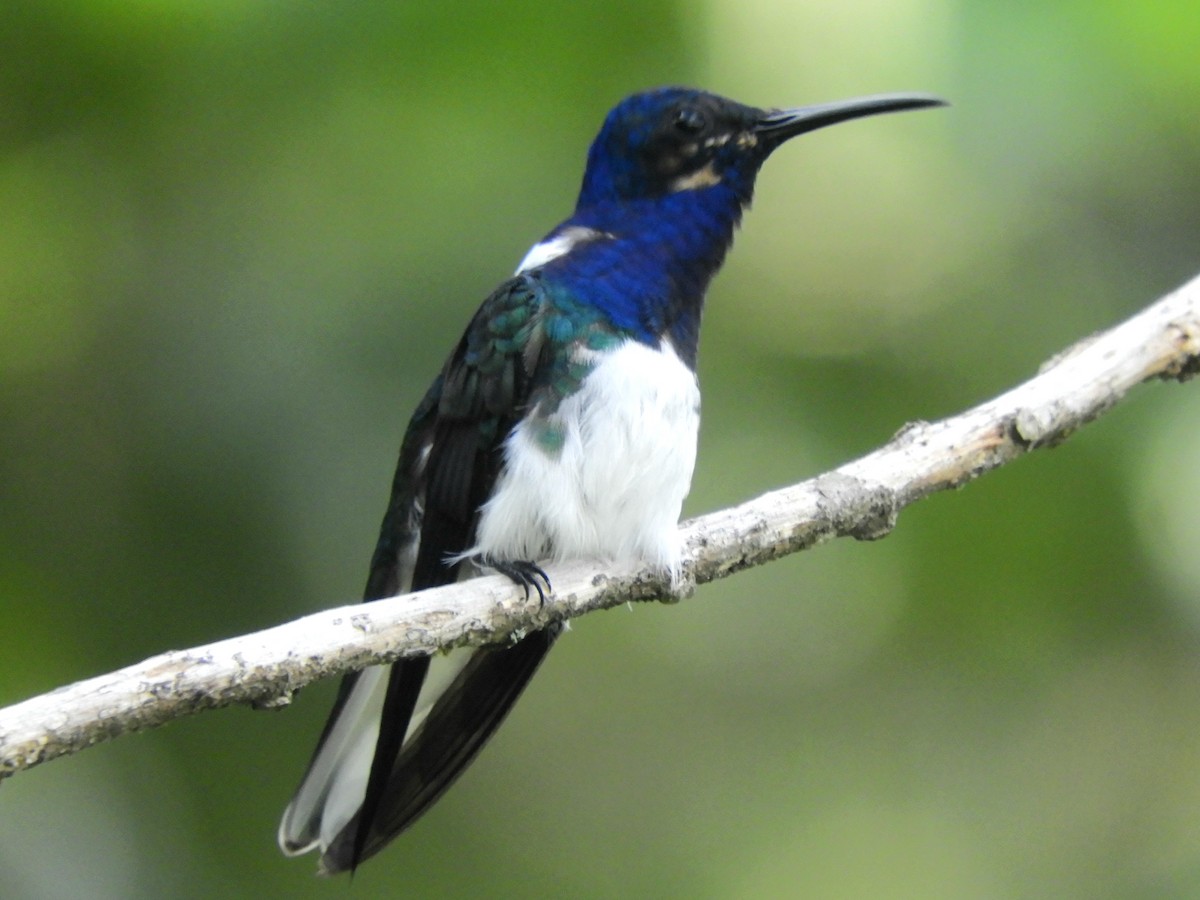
(678, 139)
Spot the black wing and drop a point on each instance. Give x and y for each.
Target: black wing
(449, 462)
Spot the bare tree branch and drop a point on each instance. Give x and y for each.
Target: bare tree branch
(860, 499)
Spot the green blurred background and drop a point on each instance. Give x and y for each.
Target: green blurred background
(238, 238)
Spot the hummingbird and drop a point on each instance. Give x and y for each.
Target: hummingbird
(562, 426)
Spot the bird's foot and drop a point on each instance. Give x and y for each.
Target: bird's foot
(523, 572)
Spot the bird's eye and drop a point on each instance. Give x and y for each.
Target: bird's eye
(690, 120)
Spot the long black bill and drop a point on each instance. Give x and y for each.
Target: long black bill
(780, 124)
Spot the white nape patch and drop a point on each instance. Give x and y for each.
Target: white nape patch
(559, 245)
(616, 487)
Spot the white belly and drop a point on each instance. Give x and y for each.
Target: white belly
(613, 489)
(616, 487)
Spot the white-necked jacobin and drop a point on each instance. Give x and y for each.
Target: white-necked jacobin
(563, 425)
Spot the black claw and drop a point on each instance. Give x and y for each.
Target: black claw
(523, 572)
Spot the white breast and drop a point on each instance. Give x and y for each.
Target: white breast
(616, 487)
